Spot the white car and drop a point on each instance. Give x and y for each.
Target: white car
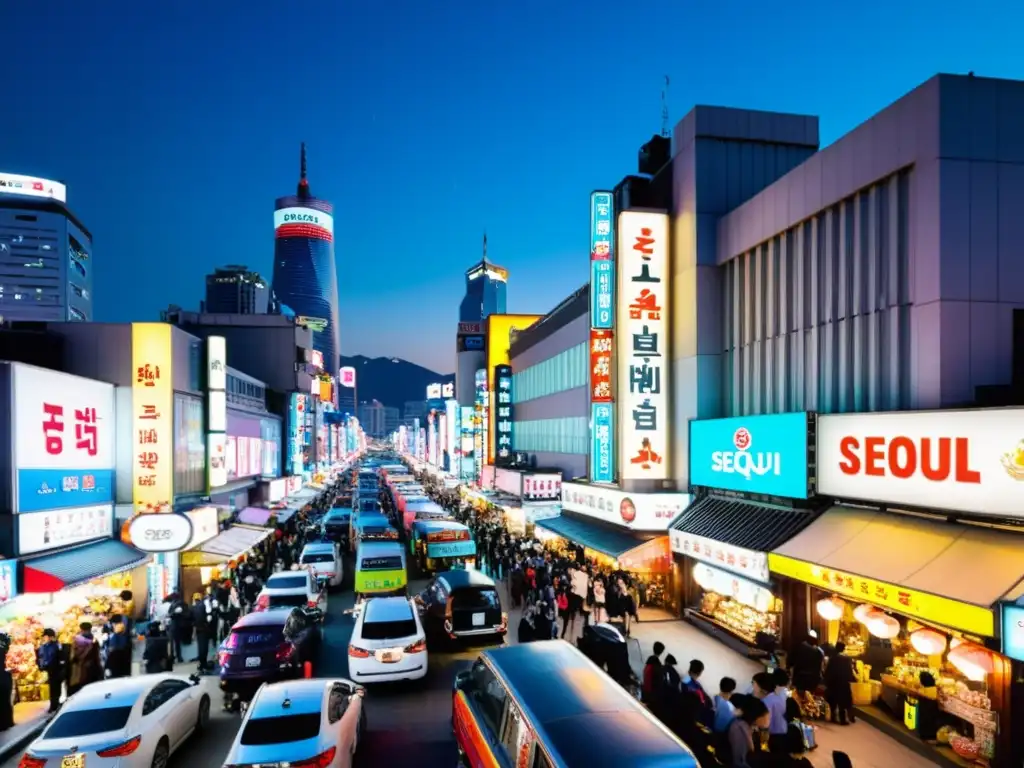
(302, 723)
(388, 642)
(324, 557)
(292, 589)
(127, 722)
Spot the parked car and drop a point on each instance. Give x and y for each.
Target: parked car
(128, 722)
(336, 525)
(388, 642)
(317, 723)
(265, 647)
(292, 589)
(324, 557)
(462, 604)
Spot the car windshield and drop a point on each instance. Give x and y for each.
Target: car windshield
(477, 598)
(85, 722)
(389, 630)
(241, 639)
(287, 601)
(260, 731)
(286, 582)
(317, 557)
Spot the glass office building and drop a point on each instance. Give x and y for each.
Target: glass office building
(485, 291)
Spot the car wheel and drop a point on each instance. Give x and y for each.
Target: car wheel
(163, 751)
(203, 717)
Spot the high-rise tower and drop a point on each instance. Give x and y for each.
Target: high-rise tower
(485, 290)
(305, 278)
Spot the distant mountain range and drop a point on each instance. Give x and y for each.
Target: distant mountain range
(391, 380)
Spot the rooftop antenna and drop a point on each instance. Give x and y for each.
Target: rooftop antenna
(303, 182)
(485, 246)
(664, 109)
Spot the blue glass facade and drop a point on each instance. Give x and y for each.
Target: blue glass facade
(485, 293)
(561, 372)
(567, 434)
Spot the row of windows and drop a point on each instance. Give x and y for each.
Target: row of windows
(237, 386)
(566, 370)
(567, 434)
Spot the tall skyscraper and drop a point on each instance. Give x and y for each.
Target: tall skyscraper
(305, 278)
(236, 290)
(45, 253)
(485, 290)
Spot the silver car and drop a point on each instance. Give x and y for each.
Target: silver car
(317, 721)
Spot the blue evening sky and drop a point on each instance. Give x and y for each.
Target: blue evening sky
(176, 124)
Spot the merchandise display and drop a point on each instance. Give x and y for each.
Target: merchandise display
(742, 620)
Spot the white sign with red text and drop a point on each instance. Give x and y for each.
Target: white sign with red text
(61, 421)
(637, 511)
(745, 562)
(542, 487)
(960, 461)
(347, 376)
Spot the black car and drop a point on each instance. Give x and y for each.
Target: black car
(462, 605)
(266, 647)
(336, 525)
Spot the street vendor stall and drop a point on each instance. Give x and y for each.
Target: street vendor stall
(215, 558)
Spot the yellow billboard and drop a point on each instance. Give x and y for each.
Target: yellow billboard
(152, 418)
(499, 329)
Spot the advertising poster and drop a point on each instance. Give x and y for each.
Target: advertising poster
(153, 418)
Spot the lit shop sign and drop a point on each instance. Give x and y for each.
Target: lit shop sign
(542, 487)
(434, 391)
(641, 345)
(448, 390)
(1013, 631)
(602, 265)
(152, 417)
(217, 411)
(960, 461)
(470, 328)
(508, 481)
(494, 273)
(63, 437)
(315, 324)
(454, 442)
(303, 222)
(158, 533)
(347, 377)
(503, 410)
(205, 525)
(40, 531)
(751, 454)
(30, 186)
(908, 602)
(470, 344)
(746, 562)
(742, 591)
(602, 443)
(638, 511)
(601, 366)
(480, 422)
(317, 359)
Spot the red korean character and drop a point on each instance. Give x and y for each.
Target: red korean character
(85, 430)
(150, 413)
(904, 598)
(52, 424)
(148, 460)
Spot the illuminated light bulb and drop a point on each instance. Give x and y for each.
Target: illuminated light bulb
(831, 608)
(864, 613)
(883, 626)
(972, 660)
(928, 642)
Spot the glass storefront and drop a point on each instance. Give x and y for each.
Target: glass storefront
(743, 607)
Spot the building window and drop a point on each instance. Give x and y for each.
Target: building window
(564, 371)
(562, 435)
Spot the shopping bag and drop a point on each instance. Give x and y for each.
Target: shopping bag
(807, 730)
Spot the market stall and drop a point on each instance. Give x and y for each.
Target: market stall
(221, 554)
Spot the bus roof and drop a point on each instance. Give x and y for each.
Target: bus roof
(432, 526)
(584, 716)
(379, 549)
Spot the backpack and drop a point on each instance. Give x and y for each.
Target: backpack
(563, 602)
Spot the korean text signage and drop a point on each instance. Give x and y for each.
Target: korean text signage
(642, 343)
(542, 487)
(480, 422)
(470, 328)
(217, 411)
(745, 562)
(63, 437)
(600, 366)
(602, 264)
(752, 454)
(503, 414)
(41, 531)
(638, 511)
(30, 186)
(960, 461)
(908, 602)
(159, 533)
(434, 391)
(347, 377)
(152, 417)
(602, 443)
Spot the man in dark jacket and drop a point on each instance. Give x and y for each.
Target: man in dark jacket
(838, 676)
(48, 658)
(653, 684)
(201, 621)
(157, 653)
(119, 648)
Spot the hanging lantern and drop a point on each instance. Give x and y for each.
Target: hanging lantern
(883, 626)
(831, 608)
(972, 660)
(864, 613)
(955, 642)
(704, 577)
(928, 642)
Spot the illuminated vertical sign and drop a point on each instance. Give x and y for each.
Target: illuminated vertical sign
(602, 261)
(602, 446)
(216, 411)
(152, 418)
(480, 424)
(642, 345)
(503, 410)
(432, 439)
(602, 342)
(454, 438)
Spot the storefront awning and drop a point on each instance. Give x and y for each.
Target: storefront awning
(228, 545)
(758, 527)
(949, 574)
(608, 541)
(255, 515)
(60, 570)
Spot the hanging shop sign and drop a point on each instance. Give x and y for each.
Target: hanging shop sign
(205, 525)
(503, 410)
(152, 415)
(158, 533)
(638, 511)
(745, 562)
(742, 591)
(41, 531)
(216, 410)
(448, 390)
(601, 366)
(508, 481)
(908, 602)
(63, 438)
(960, 461)
(1012, 635)
(642, 344)
(347, 377)
(542, 487)
(470, 328)
(602, 264)
(752, 454)
(277, 490)
(8, 580)
(602, 443)
(434, 391)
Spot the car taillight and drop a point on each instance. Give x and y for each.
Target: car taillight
(122, 749)
(28, 761)
(284, 650)
(358, 653)
(311, 603)
(418, 647)
(262, 602)
(222, 658)
(322, 760)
